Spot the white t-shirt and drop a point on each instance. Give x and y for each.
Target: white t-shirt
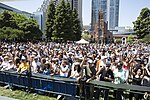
(64, 70)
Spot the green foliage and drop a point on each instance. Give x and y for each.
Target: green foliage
(76, 26)
(50, 20)
(59, 21)
(63, 23)
(118, 41)
(69, 23)
(86, 36)
(7, 20)
(10, 34)
(17, 27)
(130, 38)
(142, 24)
(146, 39)
(31, 30)
(21, 95)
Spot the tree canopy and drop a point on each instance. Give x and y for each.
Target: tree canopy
(50, 20)
(17, 27)
(76, 26)
(62, 23)
(142, 23)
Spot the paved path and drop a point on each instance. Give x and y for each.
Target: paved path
(6, 98)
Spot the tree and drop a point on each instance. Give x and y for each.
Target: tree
(146, 39)
(31, 30)
(130, 38)
(142, 24)
(86, 36)
(59, 22)
(8, 33)
(76, 26)
(17, 27)
(63, 22)
(69, 22)
(50, 20)
(7, 20)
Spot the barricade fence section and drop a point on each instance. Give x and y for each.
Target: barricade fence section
(44, 83)
(65, 86)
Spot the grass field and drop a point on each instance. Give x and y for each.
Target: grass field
(21, 95)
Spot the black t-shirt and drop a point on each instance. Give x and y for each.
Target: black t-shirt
(136, 81)
(108, 74)
(93, 72)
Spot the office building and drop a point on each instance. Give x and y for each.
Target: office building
(77, 4)
(4, 7)
(113, 13)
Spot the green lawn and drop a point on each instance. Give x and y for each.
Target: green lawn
(21, 95)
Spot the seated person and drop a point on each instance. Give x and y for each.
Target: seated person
(24, 66)
(11, 66)
(4, 64)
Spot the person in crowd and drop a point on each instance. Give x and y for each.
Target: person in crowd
(107, 76)
(90, 74)
(4, 64)
(137, 78)
(46, 69)
(119, 78)
(11, 66)
(64, 68)
(146, 78)
(24, 66)
(100, 66)
(76, 72)
(124, 60)
(55, 66)
(35, 64)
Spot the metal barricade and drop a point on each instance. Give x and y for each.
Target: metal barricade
(58, 85)
(64, 86)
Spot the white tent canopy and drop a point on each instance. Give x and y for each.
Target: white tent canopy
(82, 41)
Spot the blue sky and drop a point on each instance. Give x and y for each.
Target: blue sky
(129, 9)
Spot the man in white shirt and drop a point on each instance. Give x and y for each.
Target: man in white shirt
(4, 64)
(11, 65)
(120, 78)
(35, 65)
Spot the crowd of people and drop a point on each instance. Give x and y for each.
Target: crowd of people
(116, 63)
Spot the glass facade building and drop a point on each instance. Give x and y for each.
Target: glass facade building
(4, 7)
(113, 13)
(110, 9)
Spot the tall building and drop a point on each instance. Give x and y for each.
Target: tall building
(77, 4)
(113, 13)
(110, 8)
(4, 7)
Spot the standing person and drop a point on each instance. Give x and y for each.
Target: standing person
(90, 74)
(76, 72)
(137, 78)
(107, 76)
(146, 78)
(4, 64)
(35, 65)
(46, 68)
(24, 66)
(64, 69)
(119, 78)
(11, 66)
(100, 66)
